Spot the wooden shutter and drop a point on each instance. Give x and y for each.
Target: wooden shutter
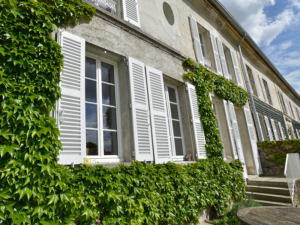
(252, 138)
(222, 58)
(216, 53)
(268, 128)
(260, 127)
(281, 131)
(274, 130)
(196, 39)
(272, 102)
(71, 106)
(230, 129)
(131, 12)
(237, 136)
(159, 116)
(263, 89)
(236, 67)
(140, 111)
(197, 124)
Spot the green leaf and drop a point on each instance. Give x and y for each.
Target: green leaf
(53, 199)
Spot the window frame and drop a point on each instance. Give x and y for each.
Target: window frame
(268, 91)
(281, 99)
(202, 42)
(291, 110)
(170, 125)
(101, 157)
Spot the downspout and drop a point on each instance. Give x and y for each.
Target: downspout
(256, 120)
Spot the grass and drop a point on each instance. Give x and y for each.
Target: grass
(230, 217)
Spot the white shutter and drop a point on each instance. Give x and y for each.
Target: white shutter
(281, 131)
(237, 136)
(71, 106)
(236, 67)
(216, 53)
(196, 38)
(255, 82)
(268, 128)
(298, 134)
(286, 106)
(296, 113)
(197, 124)
(222, 58)
(260, 128)
(263, 89)
(230, 130)
(252, 138)
(159, 116)
(131, 12)
(272, 102)
(140, 111)
(274, 130)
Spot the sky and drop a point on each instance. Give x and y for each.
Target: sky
(275, 26)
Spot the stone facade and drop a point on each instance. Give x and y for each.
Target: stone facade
(269, 167)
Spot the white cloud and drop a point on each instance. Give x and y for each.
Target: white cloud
(293, 78)
(295, 3)
(251, 15)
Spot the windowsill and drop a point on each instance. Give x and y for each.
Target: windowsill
(207, 62)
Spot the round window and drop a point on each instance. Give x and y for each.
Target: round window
(168, 13)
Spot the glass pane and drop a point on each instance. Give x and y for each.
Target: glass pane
(110, 143)
(91, 142)
(91, 115)
(108, 95)
(178, 146)
(107, 73)
(174, 111)
(109, 118)
(176, 128)
(172, 94)
(90, 91)
(90, 68)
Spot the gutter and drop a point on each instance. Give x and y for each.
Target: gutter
(238, 30)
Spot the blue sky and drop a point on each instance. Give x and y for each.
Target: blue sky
(275, 26)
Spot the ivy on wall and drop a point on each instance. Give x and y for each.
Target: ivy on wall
(35, 189)
(206, 81)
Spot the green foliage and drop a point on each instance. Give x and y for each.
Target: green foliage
(278, 157)
(35, 189)
(230, 216)
(204, 82)
(266, 144)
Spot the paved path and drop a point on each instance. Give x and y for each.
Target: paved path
(271, 215)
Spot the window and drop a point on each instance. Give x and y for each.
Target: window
(174, 117)
(268, 91)
(101, 105)
(128, 10)
(252, 81)
(263, 127)
(202, 45)
(228, 61)
(297, 112)
(284, 109)
(291, 110)
(278, 130)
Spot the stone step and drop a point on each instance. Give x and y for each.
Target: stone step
(268, 183)
(268, 190)
(270, 203)
(270, 197)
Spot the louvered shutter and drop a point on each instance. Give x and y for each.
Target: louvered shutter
(272, 102)
(286, 106)
(237, 136)
(71, 106)
(140, 111)
(196, 38)
(236, 67)
(159, 116)
(216, 53)
(131, 12)
(268, 128)
(263, 89)
(260, 127)
(252, 138)
(222, 58)
(274, 130)
(255, 82)
(197, 124)
(281, 131)
(230, 129)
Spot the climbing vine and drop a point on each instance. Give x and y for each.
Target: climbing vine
(35, 189)
(206, 81)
